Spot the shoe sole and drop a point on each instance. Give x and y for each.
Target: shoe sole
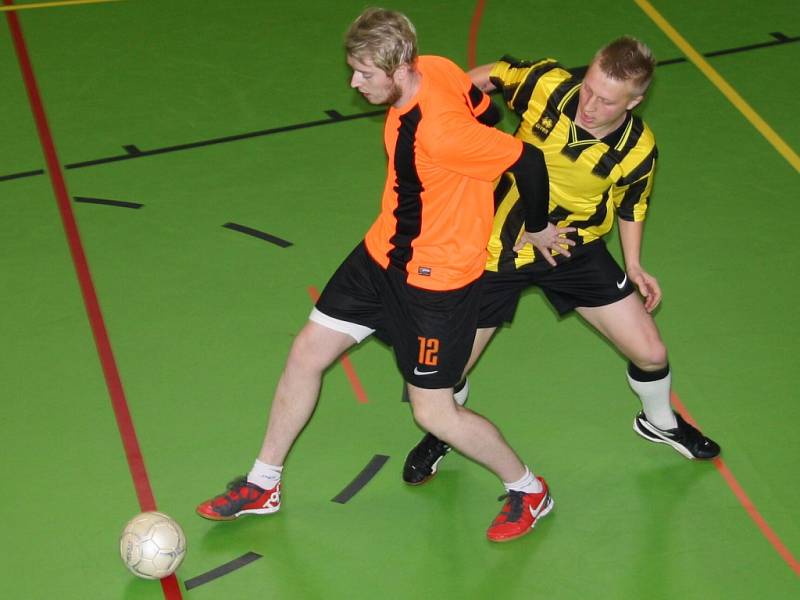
(250, 511)
(645, 431)
(422, 481)
(549, 503)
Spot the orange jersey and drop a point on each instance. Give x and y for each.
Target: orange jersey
(437, 207)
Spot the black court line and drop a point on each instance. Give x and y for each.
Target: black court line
(132, 151)
(361, 479)
(119, 203)
(228, 567)
(23, 174)
(779, 39)
(259, 234)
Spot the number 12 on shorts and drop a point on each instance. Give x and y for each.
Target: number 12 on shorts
(428, 350)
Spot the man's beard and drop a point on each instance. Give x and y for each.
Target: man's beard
(393, 95)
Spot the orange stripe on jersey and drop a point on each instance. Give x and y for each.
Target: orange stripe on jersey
(437, 206)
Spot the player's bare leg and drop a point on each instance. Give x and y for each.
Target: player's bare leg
(482, 338)
(422, 462)
(527, 497)
(469, 433)
(315, 348)
(633, 331)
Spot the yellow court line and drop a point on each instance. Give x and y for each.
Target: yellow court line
(7, 8)
(731, 94)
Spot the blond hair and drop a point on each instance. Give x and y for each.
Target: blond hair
(384, 37)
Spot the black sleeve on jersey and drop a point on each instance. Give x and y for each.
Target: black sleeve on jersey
(491, 116)
(533, 183)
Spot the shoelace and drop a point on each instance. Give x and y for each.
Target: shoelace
(688, 434)
(430, 451)
(237, 483)
(227, 502)
(515, 504)
(243, 489)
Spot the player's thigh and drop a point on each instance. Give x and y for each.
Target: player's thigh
(316, 347)
(627, 325)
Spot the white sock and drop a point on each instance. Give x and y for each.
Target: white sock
(461, 392)
(653, 390)
(264, 476)
(528, 483)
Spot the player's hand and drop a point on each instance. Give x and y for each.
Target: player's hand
(550, 239)
(648, 287)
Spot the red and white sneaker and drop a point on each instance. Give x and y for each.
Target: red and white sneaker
(242, 498)
(520, 514)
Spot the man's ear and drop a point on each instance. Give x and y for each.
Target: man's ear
(400, 73)
(634, 102)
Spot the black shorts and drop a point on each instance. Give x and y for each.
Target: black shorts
(590, 277)
(431, 332)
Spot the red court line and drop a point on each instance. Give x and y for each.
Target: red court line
(744, 500)
(472, 45)
(355, 382)
(127, 432)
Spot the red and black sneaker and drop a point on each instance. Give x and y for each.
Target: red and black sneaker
(242, 498)
(520, 514)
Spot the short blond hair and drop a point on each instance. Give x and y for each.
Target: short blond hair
(386, 38)
(627, 59)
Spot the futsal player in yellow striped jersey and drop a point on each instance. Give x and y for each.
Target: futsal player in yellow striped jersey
(600, 161)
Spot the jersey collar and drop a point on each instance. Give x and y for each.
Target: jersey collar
(579, 135)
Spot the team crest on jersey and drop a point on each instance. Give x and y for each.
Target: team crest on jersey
(544, 126)
(426, 271)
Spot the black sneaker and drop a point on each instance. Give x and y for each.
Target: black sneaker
(423, 459)
(684, 438)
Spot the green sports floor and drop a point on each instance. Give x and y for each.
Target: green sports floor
(141, 341)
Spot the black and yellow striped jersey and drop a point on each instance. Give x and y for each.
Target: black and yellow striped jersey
(591, 180)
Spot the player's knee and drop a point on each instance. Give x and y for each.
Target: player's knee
(423, 415)
(429, 416)
(653, 358)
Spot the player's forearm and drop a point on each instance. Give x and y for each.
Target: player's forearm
(480, 77)
(630, 237)
(533, 184)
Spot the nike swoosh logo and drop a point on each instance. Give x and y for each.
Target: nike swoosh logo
(418, 372)
(662, 433)
(621, 284)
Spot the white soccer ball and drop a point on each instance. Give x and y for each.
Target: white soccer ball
(152, 545)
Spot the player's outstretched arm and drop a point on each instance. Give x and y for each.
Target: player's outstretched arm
(480, 78)
(533, 183)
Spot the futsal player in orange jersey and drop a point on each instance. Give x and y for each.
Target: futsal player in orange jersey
(416, 277)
